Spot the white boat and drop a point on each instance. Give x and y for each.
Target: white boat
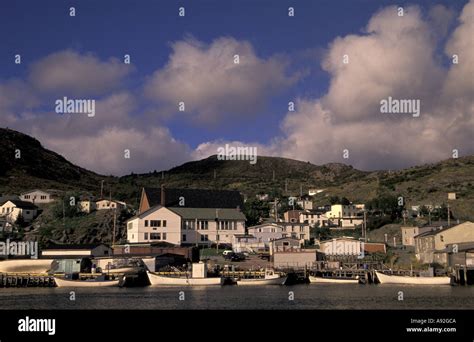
(396, 279)
(156, 280)
(332, 280)
(198, 277)
(60, 282)
(271, 278)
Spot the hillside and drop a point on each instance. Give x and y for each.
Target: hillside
(38, 167)
(425, 184)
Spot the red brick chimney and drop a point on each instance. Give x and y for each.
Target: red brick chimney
(162, 197)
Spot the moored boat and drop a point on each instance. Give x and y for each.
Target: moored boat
(396, 279)
(271, 278)
(61, 282)
(198, 277)
(332, 280)
(156, 279)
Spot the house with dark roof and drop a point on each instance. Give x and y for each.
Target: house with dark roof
(189, 198)
(186, 226)
(11, 210)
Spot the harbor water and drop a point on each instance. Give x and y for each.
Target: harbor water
(302, 297)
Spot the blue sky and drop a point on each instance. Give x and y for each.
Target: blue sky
(147, 29)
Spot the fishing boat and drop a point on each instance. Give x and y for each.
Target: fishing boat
(271, 278)
(198, 278)
(396, 279)
(97, 282)
(333, 280)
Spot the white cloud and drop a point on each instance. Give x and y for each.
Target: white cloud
(71, 73)
(211, 85)
(395, 57)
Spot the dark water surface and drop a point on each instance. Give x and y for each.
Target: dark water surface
(311, 296)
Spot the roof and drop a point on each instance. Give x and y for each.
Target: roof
(4, 199)
(74, 246)
(195, 198)
(35, 190)
(269, 224)
(286, 238)
(22, 204)
(440, 230)
(209, 213)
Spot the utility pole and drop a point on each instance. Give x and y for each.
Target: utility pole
(449, 217)
(102, 189)
(365, 226)
(115, 222)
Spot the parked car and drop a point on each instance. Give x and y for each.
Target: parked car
(227, 252)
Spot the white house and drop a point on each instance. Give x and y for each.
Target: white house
(12, 209)
(346, 216)
(87, 206)
(264, 233)
(247, 243)
(37, 197)
(105, 204)
(181, 225)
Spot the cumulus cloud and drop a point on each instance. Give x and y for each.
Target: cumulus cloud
(69, 72)
(97, 143)
(395, 56)
(211, 85)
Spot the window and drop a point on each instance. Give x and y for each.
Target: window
(217, 237)
(302, 236)
(130, 225)
(27, 212)
(203, 225)
(146, 236)
(155, 236)
(301, 229)
(164, 223)
(155, 223)
(146, 223)
(204, 238)
(183, 237)
(164, 236)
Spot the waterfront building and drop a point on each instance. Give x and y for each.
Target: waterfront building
(186, 226)
(436, 240)
(409, 233)
(70, 251)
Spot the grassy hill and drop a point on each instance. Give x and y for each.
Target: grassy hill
(425, 184)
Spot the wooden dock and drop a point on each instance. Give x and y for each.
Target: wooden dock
(26, 280)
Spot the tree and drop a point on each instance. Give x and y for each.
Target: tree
(67, 207)
(254, 210)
